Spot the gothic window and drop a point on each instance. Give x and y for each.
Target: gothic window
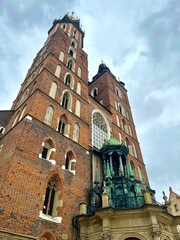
(46, 152)
(124, 126)
(61, 125)
(176, 207)
(134, 150)
(130, 131)
(40, 69)
(49, 201)
(94, 92)
(58, 71)
(71, 52)
(73, 44)
(119, 108)
(139, 173)
(52, 92)
(78, 108)
(118, 92)
(76, 132)
(22, 113)
(64, 26)
(100, 131)
(79, 88)
(117, 119)
(75, 32)
(61, 56)
(49, 115)
(67, 165)
(70, 64)
(120, 138)
(67, 100)
(79, 72)
(68, 80)
(70, 162)
(116, 107)
(15, 120)
(24, 96)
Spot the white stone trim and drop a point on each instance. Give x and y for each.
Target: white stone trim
(52, 161)
(73, 160)
(28, 118)
(63, 167)
(73, 171)
(43, 144)
(50, 218)
(40, 155)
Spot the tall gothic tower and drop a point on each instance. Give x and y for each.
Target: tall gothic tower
(70, 162)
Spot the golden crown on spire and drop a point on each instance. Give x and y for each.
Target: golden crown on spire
(72, 16)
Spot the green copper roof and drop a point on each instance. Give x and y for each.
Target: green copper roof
(112, 141)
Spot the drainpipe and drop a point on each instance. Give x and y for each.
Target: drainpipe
(76, 225)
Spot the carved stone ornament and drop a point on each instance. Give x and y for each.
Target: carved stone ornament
(106, 235)
(156, 232)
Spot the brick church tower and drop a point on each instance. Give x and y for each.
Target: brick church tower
(69, 155)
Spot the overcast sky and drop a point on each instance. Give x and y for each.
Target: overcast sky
(139, 40)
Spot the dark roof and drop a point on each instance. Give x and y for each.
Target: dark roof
(5, 116)
(67, 19)
(101, 70)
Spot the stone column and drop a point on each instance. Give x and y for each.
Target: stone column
(111, 165)
(83, 208)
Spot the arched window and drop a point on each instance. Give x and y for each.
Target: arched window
(100, 131)
(70, 64)
(119, 108)
(71, 53)
(124, 126)
(61, 56)
(22, 113)
(51, 190)
(94, 92)
(63, 26)
(116, 107)
(70, 162)
(117, 119)
(79, 88)
(24, 96)
(58, 71)
(47, 150)
(73, 44)
(78, 108)
(49, 115)
(134, 150)
(67, 100)
(67, 165)
(140, 173)
(15, 120)
(120, 137)
(130, 131)
(52, 92)
(61, 125)
(118, 92)
(76, 132)
(68, 80)
(79, 72)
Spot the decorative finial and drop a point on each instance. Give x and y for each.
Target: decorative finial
(118, 79)
(165, 197)
(101, 61)
(170, 189)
